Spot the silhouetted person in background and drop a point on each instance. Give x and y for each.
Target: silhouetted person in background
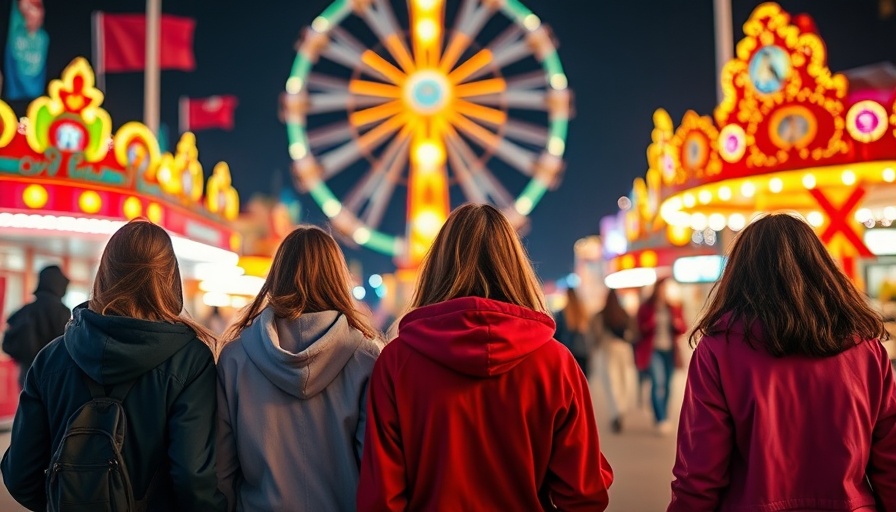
(37, 323)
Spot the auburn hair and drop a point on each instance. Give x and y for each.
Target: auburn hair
(780, 276)
(139, 277)
(614, 315)
(308, 275)
(477, 253)
(574, 313)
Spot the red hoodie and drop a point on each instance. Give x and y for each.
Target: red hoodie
(475, 407)
(766, 434)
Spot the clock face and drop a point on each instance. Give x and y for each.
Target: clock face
(769, 68)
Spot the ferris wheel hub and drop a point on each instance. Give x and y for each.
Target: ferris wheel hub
(427, 91)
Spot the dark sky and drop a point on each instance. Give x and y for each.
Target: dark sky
(623, 59)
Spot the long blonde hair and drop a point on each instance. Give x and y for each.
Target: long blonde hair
(308, 275)
(477, 253)
(139, 277)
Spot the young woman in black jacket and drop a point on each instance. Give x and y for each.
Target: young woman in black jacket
(131, 331)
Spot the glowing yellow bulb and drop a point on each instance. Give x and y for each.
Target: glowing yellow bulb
(705, 196)
(428, 223)
(747, 189)
(649, 259)
(425, 4)
(775, 185)
(320, 24)
(737, 221)
(524, 206)
(429, 154)
(154, 213)
(689, 200)
(724, 193)
(35, 196)
(809, 181)
(848, 177)
(559, 82)
(426, 30)
(361, 236)
(90, 202)
(815, 219)
(331, 208)
(132, 208)
(531, 22)
(889, 175)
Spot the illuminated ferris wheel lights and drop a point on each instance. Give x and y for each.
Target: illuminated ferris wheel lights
(428, 223)
(331, 207)
(429, 154)
(559, 81)
(425, 5)
(556, 146)
(426, 30)
(297, 150)
(531, 22)
(320, 24)
(294, 85)
(524, 206)
(361, 236)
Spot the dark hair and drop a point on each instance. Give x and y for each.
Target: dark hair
(477, 253)
(780, 275)
(614, 315)
(138, 277)
(308, 275)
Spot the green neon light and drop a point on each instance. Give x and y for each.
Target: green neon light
(513, 8)
(300, 67)
(383, 243)
(336, 12)
(552, 63)
(534, 191)
(558, 128)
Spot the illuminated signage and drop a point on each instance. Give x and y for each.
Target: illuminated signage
(881, 241)
(698, 269)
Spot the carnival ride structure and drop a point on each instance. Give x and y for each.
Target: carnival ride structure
(426, 108)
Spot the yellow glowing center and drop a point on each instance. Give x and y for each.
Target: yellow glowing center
(427, 92)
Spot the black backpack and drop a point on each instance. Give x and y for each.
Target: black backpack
(87, 472)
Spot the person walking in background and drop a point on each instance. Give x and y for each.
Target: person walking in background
(39, 322)
(790, 401)
(474, 406)
(614, 331)
(130, 336)
(659, 324)
(572, 327)
(297, 368)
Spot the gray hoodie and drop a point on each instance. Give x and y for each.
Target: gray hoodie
(291, 413)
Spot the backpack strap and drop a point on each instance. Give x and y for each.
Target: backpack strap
(117, 392)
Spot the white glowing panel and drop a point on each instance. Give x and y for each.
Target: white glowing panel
(881, 241)
(631, 278)
(698, 269)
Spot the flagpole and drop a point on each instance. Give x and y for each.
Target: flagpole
(151, 78)
(724, 41)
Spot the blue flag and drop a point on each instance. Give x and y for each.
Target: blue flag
(25, 62)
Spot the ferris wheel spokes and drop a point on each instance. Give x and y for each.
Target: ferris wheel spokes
(361, 192)
(379, 17)
(464, 160)
(330, 135)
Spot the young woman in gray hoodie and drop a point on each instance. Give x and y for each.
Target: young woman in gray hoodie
(292, 385)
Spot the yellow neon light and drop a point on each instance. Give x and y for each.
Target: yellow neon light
(397, 49)
(487, 114)
(377, 113)
(90, 202)
(368, 88)
(35, 196)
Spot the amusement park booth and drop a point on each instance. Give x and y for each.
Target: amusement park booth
(788, 135)
(67, 184)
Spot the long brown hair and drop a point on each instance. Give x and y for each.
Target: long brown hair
(477, 253)
(575, 315)
(780, 275)
(614, 315)
(139, 277)
(308, 275)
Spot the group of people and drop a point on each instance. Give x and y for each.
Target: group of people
(646, 341)
(790, 402)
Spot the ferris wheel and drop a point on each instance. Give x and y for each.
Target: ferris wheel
(426, 112)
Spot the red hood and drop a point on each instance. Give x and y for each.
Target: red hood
(476, 336)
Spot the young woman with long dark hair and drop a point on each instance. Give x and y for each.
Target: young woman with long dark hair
(474, 406)
(131, 332)
(790, 401)
(614, 331)
(295, 368)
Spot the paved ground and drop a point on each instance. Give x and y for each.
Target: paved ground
(641, 459)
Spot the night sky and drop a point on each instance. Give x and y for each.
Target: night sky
(624, 59)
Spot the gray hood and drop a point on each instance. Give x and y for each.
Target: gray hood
(301, 356)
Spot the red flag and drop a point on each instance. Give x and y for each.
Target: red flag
(205, 113)
(120, 42)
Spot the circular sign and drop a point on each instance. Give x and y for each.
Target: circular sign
(732, 143)
(769, 68)
(866, 121)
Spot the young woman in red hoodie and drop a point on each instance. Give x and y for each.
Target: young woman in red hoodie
(474, 406)
(790, 401)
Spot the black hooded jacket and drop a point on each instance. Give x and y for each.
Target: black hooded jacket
(38, 323)
(170, 409)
